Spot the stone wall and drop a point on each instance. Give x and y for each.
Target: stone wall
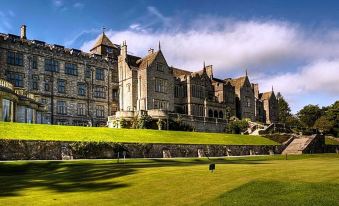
(49, 150)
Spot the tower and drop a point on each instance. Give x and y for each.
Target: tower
(103, 46)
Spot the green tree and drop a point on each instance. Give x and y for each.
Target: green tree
(309, 114)
(284, 109)
(236, 127)
(332, 115)
(324, 124)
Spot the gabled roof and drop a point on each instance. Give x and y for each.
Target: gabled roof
(238, 82)
(179, 72)
(265, 95)
(103, 40)
(132, 61)
(147, 60)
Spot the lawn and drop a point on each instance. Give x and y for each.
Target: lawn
(74, 133)
(260, 180)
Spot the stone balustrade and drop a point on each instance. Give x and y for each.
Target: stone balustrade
(6, 84)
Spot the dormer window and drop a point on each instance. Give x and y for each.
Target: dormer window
(109, 50)
(160, 67)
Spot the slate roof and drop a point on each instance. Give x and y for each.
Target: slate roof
(147, 60)
(103, 40)
(238, 82)
(265, 95)
(179, 72)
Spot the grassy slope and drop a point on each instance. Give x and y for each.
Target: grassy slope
(302, 180)
(72, 133)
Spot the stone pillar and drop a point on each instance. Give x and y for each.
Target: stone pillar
(271, 152)
(201, 153)
(251, 152)
(166, 153)
(66, 152)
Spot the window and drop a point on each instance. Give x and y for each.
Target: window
(34, 62)
(61, 107)
(221, 115)
(17, 79)
(14, 58)
(115, 77)
(100, 74)
(88, 72)
(210, 113)
(81, 89)
(160, 85)
(6, 110)
(160, 67)
(61, 86)
(81, 109)
(248, 102)
(51, 65)
(109, 50)
(128, 87)
(35, 80)
(47, 86)
(100, 111)
(115, 95)
(159, 104)
(99, 92)
(71, 69)
(197, 91)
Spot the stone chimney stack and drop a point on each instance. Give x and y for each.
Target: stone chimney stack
(150, 51)
(23, 32)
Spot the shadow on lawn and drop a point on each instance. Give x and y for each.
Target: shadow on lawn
(77, 176)
(280, 193)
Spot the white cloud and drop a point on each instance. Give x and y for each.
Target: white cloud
(267, 48)
(78, 5)
(58, 3)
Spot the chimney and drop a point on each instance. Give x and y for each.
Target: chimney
(23, 32)
(150, 51)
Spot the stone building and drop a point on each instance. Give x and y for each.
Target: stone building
(18, 105)
(149, 86)
(80, 88)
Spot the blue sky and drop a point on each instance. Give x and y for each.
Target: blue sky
(293, 45)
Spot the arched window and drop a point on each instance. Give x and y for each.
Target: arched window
(221, 115)
(215, 113)
(210, 113)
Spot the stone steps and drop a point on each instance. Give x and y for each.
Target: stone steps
(297, 146)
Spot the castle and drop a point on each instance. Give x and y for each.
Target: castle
(79, 88)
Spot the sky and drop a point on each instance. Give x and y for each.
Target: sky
(290, 45)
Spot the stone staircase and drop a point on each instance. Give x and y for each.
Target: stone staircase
(302, 144)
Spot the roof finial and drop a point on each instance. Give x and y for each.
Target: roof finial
(159, 46)
(103, 29)
(246, 72)
(272, 88)
(204, 66)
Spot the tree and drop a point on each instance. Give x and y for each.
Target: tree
(324, 124)
(236, 127)
(284, 109)
(332, 116)
(309, 114)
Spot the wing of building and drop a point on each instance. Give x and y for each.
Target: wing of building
(80, 88)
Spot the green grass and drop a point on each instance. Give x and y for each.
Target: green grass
(260, 180)
(331, 141)
(73, 133)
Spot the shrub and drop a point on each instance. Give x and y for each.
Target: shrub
(236, 127)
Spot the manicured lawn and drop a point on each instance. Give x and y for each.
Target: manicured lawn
(72, 133)
(265, 180)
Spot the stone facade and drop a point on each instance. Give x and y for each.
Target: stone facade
(78, 88)
(148, 84)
